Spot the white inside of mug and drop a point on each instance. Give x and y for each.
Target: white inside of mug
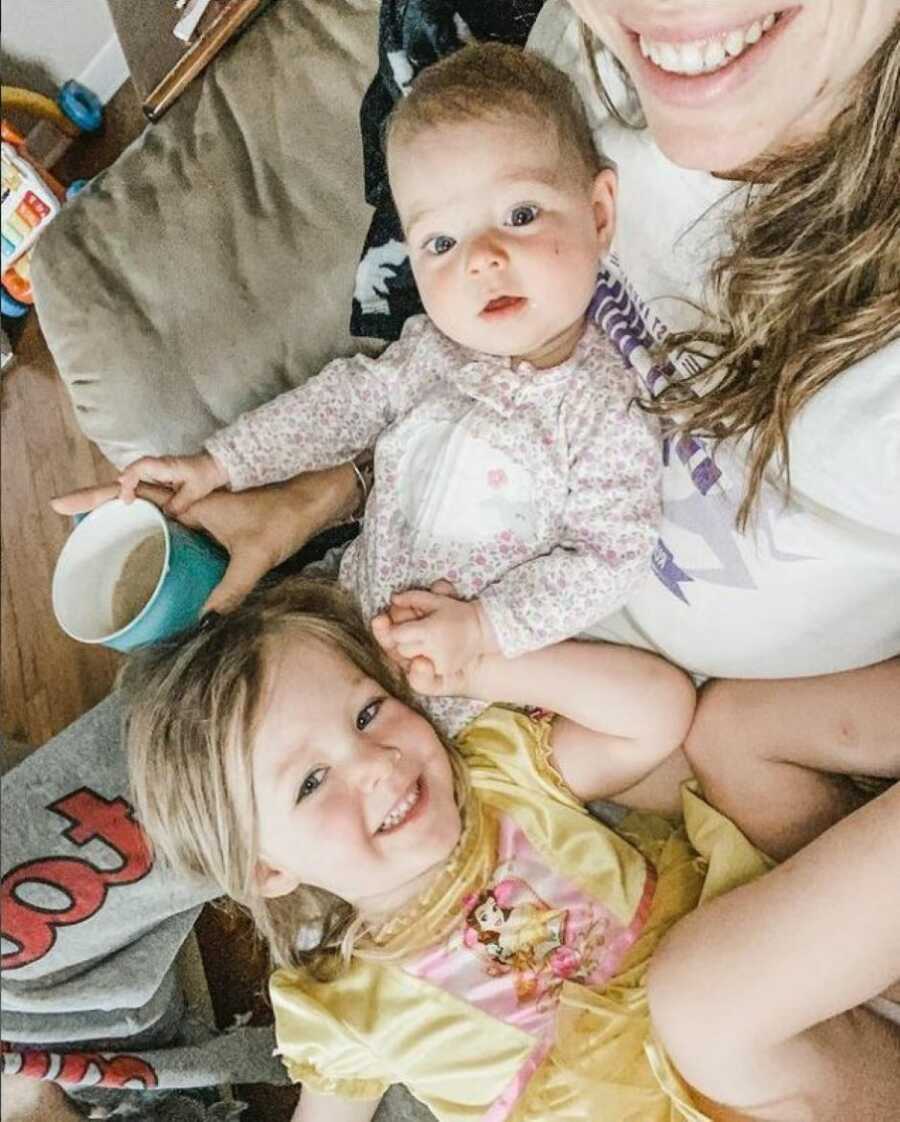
(110, 570)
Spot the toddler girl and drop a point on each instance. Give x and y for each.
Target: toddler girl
(508, 458)
(449, 916)
(445, 915)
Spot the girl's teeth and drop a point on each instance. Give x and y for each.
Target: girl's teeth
(399, 813)
(703, 56)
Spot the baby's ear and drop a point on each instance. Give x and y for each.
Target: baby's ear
(603, 197)
(272, 882)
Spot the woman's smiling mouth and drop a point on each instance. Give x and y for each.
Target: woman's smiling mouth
(693, 65)
(704, 56)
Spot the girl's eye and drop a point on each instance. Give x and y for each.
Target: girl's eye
(522, 215)
(366, 716)
(314, 780)
(439, 245)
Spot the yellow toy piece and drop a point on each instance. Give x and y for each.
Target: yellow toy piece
(37, 105)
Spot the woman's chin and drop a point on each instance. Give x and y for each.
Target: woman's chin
(706, 147)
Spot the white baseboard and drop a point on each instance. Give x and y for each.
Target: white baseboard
(106, 71)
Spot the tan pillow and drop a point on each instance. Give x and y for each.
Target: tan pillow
(211, 267)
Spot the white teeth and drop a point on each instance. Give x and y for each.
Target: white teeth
(734, 43)
(402, 809)
(714, 55)
(703, 56)
(691, 58)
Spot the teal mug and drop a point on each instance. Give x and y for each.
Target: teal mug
(127, 576)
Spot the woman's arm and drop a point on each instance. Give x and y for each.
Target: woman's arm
(746, 991)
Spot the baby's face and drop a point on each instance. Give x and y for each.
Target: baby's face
(504, 238)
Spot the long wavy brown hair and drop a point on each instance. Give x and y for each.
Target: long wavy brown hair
(810, 283)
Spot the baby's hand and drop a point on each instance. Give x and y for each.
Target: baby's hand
(419, 670)
(445, 630)
(190, 477)
(383, 629)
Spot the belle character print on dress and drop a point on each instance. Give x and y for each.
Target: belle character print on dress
(525, 935)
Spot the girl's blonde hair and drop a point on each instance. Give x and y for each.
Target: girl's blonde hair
(192, 707)
(811, 283)
(492, 81)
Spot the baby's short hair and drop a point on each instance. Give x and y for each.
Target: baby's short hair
(490, 81)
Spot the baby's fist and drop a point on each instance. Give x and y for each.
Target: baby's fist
(191, 478)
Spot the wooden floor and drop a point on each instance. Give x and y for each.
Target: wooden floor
(47, 680)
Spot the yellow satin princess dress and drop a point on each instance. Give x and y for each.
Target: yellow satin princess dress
(513, 990)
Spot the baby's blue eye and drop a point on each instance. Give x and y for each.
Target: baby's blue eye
(522, 215)
(314, 780)
(440, 244)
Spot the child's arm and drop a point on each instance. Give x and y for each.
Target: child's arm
(608, 533)
(331, 418)
(621, 710)
(326, 1108)
(609, 525)
(327, 421)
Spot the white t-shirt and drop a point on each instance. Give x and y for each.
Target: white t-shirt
(814, 585)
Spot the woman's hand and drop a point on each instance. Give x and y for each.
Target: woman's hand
(260, 528)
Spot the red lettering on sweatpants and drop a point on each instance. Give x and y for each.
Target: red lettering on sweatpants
(74, 1068)
(31, 927)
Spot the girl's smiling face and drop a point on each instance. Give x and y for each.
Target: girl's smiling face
(353, 790)
(724, 82)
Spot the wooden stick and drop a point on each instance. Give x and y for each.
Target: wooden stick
(198, 56)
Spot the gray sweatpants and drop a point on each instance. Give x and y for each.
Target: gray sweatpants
(91, 932)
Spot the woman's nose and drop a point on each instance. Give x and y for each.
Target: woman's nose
(485, 253)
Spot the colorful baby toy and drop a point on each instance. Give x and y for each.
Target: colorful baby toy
(32, 196)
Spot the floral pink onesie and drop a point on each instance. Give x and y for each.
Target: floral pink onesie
(537, 491)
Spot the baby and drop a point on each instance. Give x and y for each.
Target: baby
(510, 460)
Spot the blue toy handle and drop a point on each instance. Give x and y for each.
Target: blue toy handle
(12, 307)
(81, 106)
(75, 188)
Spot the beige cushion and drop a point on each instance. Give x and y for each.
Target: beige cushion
(212, 266)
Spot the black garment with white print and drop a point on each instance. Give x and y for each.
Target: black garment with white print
(412, 35)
